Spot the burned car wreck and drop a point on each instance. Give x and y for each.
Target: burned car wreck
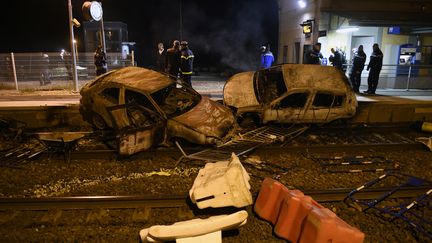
(147, 108)
(291, 93)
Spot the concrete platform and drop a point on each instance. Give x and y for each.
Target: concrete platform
(37, 111)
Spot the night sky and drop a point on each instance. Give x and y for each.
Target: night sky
(221, 33)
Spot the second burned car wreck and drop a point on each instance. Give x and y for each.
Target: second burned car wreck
(291, 93)
(147, 108)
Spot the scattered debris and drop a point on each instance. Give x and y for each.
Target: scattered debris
(355, 164)
(247, 142)
(255, 162)
(11, 129)
(416, 211)
(298, 218)
(222, 184)
(426, 141)
(62, 187)
(61, 142)
(17, 157)
(195, 230)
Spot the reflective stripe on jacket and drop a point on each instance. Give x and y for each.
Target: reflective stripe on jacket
(187, 58)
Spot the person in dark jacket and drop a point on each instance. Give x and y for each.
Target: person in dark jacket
(172, 60)
(267, 57)
(100, 61)
(186, 63)
(160, 58)
(336, 59)
(375, 65)
(358, 61)
(45, 71)
(314, 56)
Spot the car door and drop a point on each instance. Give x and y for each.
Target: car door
(137, 128)
(105, 98)
(289, 108)
(325, 107)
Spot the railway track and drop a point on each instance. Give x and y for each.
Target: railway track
(111, 154)
(317, 139)
(313, 140)
(179, 200)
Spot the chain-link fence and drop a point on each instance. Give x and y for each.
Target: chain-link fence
(51, 70)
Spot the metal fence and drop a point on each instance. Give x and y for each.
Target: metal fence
(401, 76)
(32, 68)
(51, 70)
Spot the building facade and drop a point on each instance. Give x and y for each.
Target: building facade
(403, 32)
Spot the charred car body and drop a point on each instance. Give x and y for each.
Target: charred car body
(146, 107)
(291, 93)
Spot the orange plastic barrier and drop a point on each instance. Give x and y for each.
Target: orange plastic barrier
(269, 200)
(298, 218)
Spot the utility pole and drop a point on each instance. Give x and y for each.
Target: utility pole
(181, 21)
(74, 64)
(102, 29)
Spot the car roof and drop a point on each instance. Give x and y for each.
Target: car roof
(314, 76)
(137, 78)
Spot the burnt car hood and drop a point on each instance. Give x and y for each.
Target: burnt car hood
(208, 117)
(239, 90)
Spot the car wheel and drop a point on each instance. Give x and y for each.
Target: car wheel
(98, 122)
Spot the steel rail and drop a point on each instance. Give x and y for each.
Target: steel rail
(179, 200)
(111, 154)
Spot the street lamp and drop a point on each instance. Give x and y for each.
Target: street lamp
(301, 3)
(76, 48)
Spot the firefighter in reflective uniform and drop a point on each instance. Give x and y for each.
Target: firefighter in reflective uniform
(358, 61)
(186, 64)
(375, 65)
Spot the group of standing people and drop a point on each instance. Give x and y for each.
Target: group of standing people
(314, 56)
(177, 60)
(374, 68)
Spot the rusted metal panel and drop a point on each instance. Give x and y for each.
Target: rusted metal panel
(208, 117)
(135, 142)
(239, 90)
(138, 78)
(307, 76)
(176, 129)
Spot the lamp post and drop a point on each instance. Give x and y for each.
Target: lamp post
(76, 50)
(71, 30)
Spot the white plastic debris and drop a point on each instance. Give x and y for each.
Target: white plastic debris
(195, 230)
(222, 184)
